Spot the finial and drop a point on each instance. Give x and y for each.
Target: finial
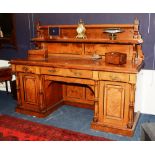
(136, 21)
(81, 20)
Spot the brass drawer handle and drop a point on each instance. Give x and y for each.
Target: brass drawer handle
(114, 78)
(25, 69)
(52, 70)
(76, 73)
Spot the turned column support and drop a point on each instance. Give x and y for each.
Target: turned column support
(131, 106)
(18, 90)
(96, 101)
(41, 92)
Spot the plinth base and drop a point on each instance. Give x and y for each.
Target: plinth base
(116, 130)
(40, 114)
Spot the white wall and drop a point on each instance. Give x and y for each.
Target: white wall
(145, 93)
(5, 63)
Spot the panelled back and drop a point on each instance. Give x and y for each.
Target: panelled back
(97, 41)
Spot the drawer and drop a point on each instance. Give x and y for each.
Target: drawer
(114, 76)
(26, 69)
(67, 72)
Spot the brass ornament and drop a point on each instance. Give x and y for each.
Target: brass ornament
(81, 30)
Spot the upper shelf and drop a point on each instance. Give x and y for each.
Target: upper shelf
(99, 33)
(58, 39)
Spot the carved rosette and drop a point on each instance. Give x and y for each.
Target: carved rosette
(136, 29)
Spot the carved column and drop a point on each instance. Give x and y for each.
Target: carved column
(18, 89)
(96, 101)
(131, 106)
(41, 92)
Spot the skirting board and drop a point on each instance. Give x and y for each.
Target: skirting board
(116, 130)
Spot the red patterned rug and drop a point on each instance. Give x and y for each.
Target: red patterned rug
(15, 129)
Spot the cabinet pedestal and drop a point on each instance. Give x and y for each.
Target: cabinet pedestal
(40, 114)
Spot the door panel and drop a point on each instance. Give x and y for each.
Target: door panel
(113, 103)
(78, 93)
(30, 90)
(114, 99)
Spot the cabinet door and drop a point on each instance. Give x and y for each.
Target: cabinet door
(113, 104)
(29, 85)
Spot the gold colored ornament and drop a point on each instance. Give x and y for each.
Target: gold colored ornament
(81, 30)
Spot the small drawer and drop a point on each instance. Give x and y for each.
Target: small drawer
(26, 69)
(67, 72)
(114, 76)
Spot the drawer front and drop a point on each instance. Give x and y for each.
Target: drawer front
(26, 69)
(67, 72)
(114, 76)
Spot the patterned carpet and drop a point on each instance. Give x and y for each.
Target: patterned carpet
(15, 129)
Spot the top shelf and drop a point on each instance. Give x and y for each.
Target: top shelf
(58, 39)
(92, 33)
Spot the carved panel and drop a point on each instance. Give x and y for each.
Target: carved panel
(114, 102)
(75, 92)
(29, 89)
(30, 92)
(114, 99)
(78, 94)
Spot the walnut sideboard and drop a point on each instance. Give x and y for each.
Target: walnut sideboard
(61, 70)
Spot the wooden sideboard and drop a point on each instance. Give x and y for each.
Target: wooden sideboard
(61, 70)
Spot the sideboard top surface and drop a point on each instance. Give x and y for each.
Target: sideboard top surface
(80, 63)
